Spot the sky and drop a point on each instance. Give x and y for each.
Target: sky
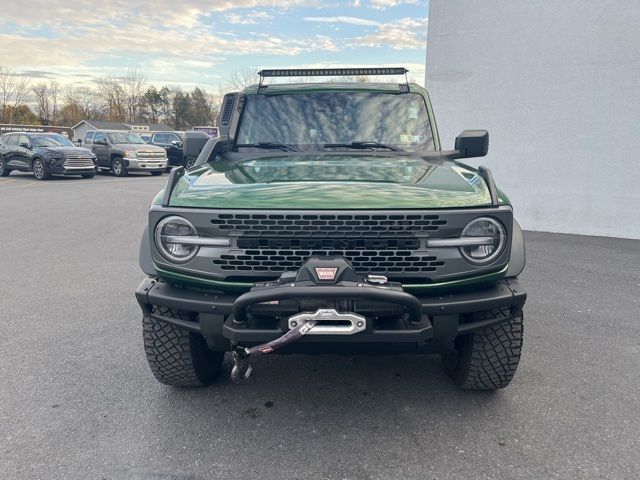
(199, 42)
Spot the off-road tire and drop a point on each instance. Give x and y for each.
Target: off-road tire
(487, 359)
(118, 170)
(178, 357)
(88, 175)
(40, 170)
(4, 171)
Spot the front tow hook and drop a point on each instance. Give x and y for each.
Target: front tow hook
(242, 357)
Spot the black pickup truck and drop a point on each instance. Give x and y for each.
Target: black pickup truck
(174, 144)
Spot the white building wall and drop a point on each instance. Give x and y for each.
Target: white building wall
(80, 132)
(557, 85)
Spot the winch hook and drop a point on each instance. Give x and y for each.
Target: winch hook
(242, 368)
(242, 357)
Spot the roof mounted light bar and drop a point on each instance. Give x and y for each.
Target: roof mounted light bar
(332, 72)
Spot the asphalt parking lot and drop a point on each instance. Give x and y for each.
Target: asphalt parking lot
(78, 400)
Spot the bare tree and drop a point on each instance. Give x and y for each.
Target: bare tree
(114, 97)
(134, 84)
(43, 108)
(14, 91)
(215, 102)
(82, 103)
(90, 102)
(242, 78)
(54, 91)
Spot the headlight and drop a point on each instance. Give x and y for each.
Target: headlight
(490, 229)
(168, 233)
(178, 241)
(131, 153)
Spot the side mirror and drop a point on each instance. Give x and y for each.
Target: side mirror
(176, 143)
(212, 148)
(473, 143)
(25, 145)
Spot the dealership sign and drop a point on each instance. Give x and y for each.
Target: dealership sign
(7, 128)
(211, 131)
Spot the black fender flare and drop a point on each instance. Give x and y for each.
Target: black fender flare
(145, 260)
(518, 257)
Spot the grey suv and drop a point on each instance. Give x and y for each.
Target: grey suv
(122, 152)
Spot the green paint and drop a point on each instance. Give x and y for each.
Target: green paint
(332, 181)
(413, 288)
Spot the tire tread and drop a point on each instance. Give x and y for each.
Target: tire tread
(491, 356)
(178, 357)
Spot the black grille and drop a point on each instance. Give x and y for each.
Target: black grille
(389, 261)
(334, 225)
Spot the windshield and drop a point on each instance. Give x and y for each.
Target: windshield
(53, 140)
(124, 137)
(311, 121)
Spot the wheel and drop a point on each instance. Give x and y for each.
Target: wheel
(4, 171)
(487, 359)
(118, 168)
(178, 357)
(155, 174)
(88, 175)
(39, 170)
(189, 162)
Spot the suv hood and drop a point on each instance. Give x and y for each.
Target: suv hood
(332, 181)
(68, 150)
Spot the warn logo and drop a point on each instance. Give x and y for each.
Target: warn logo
(326, 273)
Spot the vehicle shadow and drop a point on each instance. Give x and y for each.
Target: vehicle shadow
(334, 392)
(28, 177)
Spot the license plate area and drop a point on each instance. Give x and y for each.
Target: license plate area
(328, 321)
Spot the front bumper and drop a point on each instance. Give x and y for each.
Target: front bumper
(61, 170)
(432, 321)
(134, 164)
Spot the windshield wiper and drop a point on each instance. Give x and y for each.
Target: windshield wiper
(281, 146)
(362, 145)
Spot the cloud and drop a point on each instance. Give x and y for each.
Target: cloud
(343, 19)
(39, 74)
(382, 4)
(82, 40)
(407, 33)
(250, 18)
(87, 12)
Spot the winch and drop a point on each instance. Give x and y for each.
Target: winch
(325, 293)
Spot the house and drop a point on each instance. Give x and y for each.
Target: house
(82, 127)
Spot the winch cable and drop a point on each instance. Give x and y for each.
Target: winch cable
(242, 357)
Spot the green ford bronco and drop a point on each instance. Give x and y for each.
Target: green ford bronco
(326, 218)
